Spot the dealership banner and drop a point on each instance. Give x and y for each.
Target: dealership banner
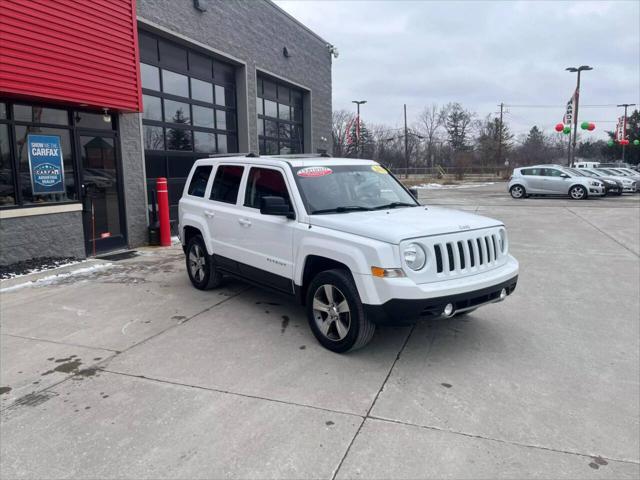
(568, 115)
(620, 128)
(46, 164)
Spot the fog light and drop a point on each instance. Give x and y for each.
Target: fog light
(503, 294)
(448, 310)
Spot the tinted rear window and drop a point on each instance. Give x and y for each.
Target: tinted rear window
(226, 183)
(199, 181)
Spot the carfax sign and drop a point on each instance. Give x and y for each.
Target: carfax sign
(46, 163)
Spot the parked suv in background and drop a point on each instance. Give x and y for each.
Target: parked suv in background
(344, 237)
(552, 180)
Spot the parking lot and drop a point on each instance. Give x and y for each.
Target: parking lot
(129, 372)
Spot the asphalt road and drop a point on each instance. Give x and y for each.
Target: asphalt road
(129, 372)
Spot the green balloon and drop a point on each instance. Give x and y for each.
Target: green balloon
(584, 125)
(636, 142)
(566, 130)
(610, 143)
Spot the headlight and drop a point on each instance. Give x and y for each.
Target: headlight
(595, 184)
(414, 256)
(627, 182)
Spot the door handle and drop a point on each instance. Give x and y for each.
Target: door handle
(244, 222)
(209, 213)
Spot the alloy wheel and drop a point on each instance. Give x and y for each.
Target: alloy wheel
(197, 263)
(517, 191)
(331, 312)
(577, 193)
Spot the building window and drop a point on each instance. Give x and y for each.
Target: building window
(189, 110)
(279, 110)
(20, 120)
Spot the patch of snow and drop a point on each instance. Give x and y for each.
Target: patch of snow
(49, 279)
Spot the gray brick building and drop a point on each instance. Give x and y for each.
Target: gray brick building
(212, 77)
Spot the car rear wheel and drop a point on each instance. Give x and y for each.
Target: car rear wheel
(517, 191)
(335, 313)
(200, 267)
(578, 192)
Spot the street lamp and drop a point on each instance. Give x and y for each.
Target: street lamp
(358, 103)
(575, 112)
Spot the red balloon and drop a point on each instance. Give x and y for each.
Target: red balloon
(559, 127)
(591, 127)
(624, 141)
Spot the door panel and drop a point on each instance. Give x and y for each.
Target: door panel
(265, 242)
(102, 202)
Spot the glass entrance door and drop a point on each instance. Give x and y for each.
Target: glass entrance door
(101, 194)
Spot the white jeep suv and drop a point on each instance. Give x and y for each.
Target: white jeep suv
(344, 237)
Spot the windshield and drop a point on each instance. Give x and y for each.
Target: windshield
(575, 172)
(609, 172)
(344, 188)
(591, 172)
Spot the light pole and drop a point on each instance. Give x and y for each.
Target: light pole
(624, 125)
(358, 103)
(575, 111)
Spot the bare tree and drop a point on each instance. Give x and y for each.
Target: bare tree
(430, 123)
(340, 123)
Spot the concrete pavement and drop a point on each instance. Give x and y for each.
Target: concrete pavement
(130, 372)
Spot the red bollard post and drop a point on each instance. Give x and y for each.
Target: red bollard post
(163, 212)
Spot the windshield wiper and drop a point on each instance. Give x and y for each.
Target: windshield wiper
(394, 205)
(350, 208)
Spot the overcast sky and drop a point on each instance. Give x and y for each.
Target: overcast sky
(480, 54)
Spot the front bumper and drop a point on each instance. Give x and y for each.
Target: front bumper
(403, 312)
(596, 191)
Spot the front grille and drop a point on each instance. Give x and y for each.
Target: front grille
(479, 252)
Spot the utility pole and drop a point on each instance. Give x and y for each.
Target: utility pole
(500, 135)
(358, 103)
(406, 143)
(624, 125)
(575, 110)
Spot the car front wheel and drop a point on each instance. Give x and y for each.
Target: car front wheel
(335, 313)
(200, 267)
(578, 192)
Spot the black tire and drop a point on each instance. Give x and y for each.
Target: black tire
(518, 192)
(200, 267)
(578, 192)
(338, 335)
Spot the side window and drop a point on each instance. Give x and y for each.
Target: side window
(532, 171)
(552, 172)
(226, 183)
(264, 182)
(525, 171)
(199, 181)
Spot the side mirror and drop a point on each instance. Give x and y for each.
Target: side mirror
(564, 175)
(275, 206)
(414, 192)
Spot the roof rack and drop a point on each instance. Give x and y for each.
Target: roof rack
(222, 155)
(303, 155)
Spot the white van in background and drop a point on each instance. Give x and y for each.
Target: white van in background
(586, 164)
